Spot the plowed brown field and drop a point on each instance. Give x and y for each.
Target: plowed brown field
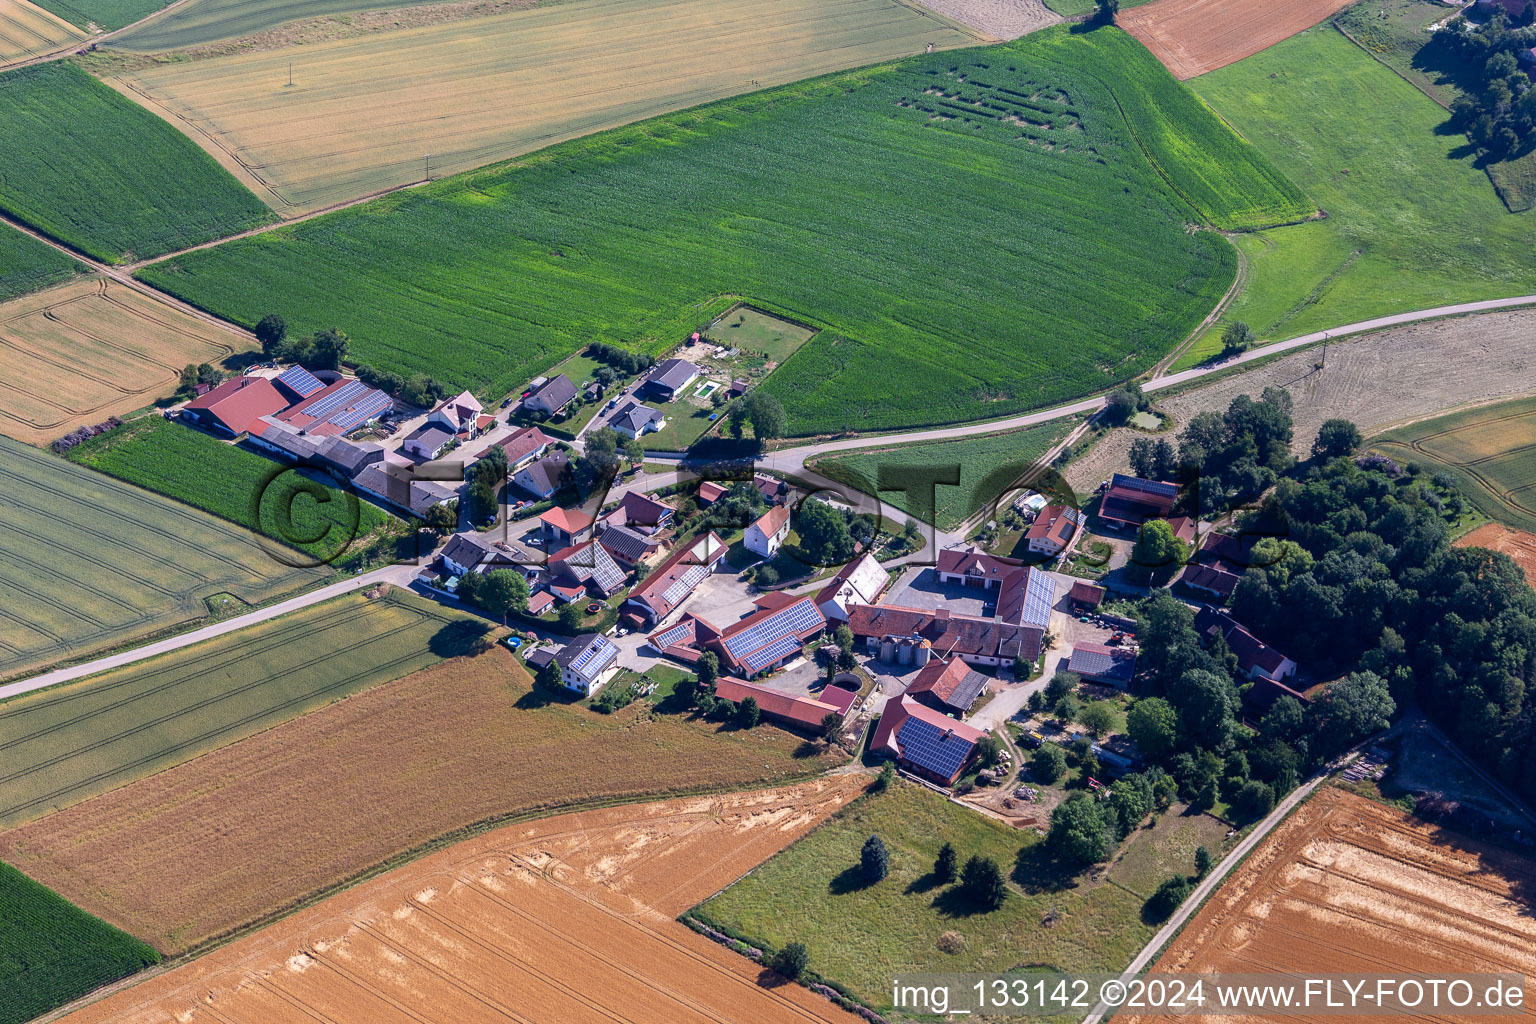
(250, 829)
(1517, 544)
(1192, 37)
(568, 920)
(1350, 886)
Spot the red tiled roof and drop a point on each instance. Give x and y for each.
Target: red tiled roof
(520, 445)
(572, 521)
(1084, 592)
(653, 592)
(898, 710)
(952, 682)
(238, 403)
(772, 521)
(975, 563)
(1052, 524)
(955, 635)
(710, 492)
(806, 711)
(1183, 528)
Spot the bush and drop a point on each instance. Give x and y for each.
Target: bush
(1049, 763)
(1162, 903)
(791, 961)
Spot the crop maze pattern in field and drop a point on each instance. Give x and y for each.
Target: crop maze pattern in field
(66, 744)
(363, 113)
(87, 561)
(78, 353)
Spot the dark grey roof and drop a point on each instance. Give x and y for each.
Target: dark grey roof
(549, 472)
(624, 543)
(587, 655)
(430, 436)
(672, 373)
(348, 457)
(463, 550)
(555, 392)
(541, 657)
(636, 417)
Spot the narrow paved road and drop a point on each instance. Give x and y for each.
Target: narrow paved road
(399, 575)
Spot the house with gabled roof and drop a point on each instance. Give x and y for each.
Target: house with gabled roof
(522, 446)
(551, 397)
(641, 513)
(338, 408)
(457, 415)
(587, 663)
(1131, 501)
(769, 637)
(589, 565)
(464, 554)
(1218, 566)
(669, 378)
(767, 534)
(861, 581)
(987, 642)
(1255, 659)
(427, 441)
(236, 406)
(627, 546)
(545, 477)
(1100, 663)
(675, 578)
(948, 685)
(1053, 529)
(925, 742)
(635, 420)
(710, 491)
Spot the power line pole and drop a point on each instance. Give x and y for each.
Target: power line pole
(290, 73)
(429, 166)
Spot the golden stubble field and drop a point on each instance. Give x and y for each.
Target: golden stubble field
(76, 354)
(566, 920)
(1350, 886)
(27, 30)
(250, 829)
(364, 113)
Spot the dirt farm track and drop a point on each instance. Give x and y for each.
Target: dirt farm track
(1192, 37)
(567, 920)
(1365, 889)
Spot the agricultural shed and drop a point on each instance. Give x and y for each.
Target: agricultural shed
(674, 579)
(770, 636)
(338, 408)
(947, 685)
(1098, 663)
(924, 741)
(785, 707)
(710, 492)
(562, 525)
(1131, 501)
(1085, 595)
(236, 406)
(1256, 659)
(979, 641)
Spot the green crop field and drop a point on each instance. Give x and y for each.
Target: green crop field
(1491, 451)
(207, 21)
(27, 265)
(859, 935)
(100, 173)
(986, 465)
(1412, 223)
(52, 952)
(235, 484)
(977, 232)
(70, 742)
(104, 14)
(88, 562)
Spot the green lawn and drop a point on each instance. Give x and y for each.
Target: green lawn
(74, 741)
(1167, 849)
(52, 952)
(98, 172)
(756, 331)
(300, 511)
(985, 465)
(979, 232)
(1412, 223)
(88, 563)
(859, 935)
(27, 265)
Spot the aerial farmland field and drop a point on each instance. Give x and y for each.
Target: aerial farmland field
(102, 14)
(1195, 36)
(76, 740)
(1372, 890)
(565, 919)
(206, 21)
(1412, 222)
(27, 264)
(66, 174)
(120, 563)
(1491, 452)
(27, 30)
(378, 774)
(76, 354)
(921, 213)
(480, 90)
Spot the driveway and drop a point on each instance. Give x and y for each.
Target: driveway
(920, 587)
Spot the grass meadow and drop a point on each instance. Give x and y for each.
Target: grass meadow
(89, 563)
(52, 952)
(27, 265)
(1412, 222)
(978, 232)
(76, 740)
(306, 513)
(100, 173)
(1488, 450)
(243, 832)
(987, 466)
(859, 934)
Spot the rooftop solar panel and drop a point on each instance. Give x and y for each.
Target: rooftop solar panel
(671, 636)
(342, 396)
(925, 745)
(594, 651)
(301, 381)
(1039, 595)
(1135, 483)
(780, 648)
(684, 583)
(796, 618)
(362, 411)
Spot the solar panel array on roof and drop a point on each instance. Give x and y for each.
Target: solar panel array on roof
(300, 381)
(365, 410)
(595, 649)
(932, 748)
(780, 648)
(1039, 595)
(340, 398)
(1136, 483)
(668, 637)
(800, 616)
(681, 586)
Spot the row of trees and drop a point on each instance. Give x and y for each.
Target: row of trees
(328, 349)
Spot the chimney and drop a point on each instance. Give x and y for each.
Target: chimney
(941, 614)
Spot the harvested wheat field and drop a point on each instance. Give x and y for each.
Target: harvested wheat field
(1375, 380)
(363, 113)
(27, 30)
(1362, 888)
(1000, 19)
(1192, 37)
(76, 354)
(567, 920)
(249, 829)
(1517, 544)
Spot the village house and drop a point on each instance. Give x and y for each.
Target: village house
(640, 513)
(925, 742)
(1255, 659)
(427, 442)
(1053, 529)
(861, 581)
(950, 686)
(522, 446)
(916, 636)
(635, 420)
(546, 476)
(587, 663)
(765, 536)
(1217, 566)
(585, 566)
(668, 379)
(674, 579)
(628, 547)
(1131, 501)
(464, 554)
(551, 397)
(457, 415)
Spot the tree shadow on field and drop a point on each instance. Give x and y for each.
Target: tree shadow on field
(770, 978)
(539, 697)
(924, 883)
(956, 902)
(461, 638)
(1038, 869)
(850, 879)
(808, 748)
